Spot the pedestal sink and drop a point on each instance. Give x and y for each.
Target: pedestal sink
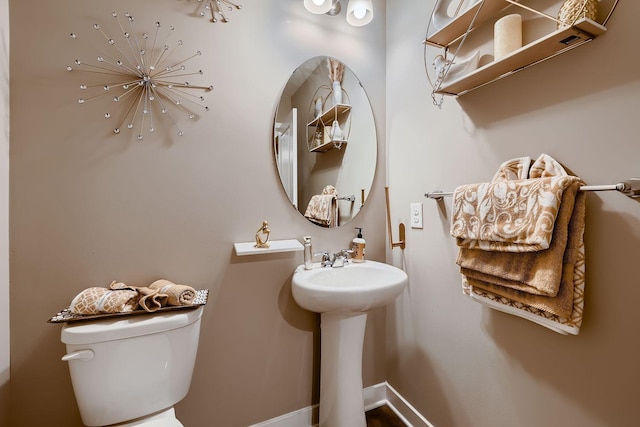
(342, 296)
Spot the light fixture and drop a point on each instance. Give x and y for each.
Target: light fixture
(318, 6)
(359, 12)
(335, 8)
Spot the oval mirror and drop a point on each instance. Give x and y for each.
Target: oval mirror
(325, 143)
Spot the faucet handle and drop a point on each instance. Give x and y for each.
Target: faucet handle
(325, 255)
(326, 259)
(348, 253)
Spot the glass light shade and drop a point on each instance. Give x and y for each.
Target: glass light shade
(359, 12)
(318, 6)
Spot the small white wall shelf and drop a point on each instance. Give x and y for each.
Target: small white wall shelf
(275, 246)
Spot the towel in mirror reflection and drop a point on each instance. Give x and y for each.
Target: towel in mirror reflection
(323, 208)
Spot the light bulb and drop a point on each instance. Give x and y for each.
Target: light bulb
(359, 13)
(318, 7)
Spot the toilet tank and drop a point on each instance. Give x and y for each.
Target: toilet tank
(132, 366)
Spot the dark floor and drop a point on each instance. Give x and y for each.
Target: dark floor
(383, 417)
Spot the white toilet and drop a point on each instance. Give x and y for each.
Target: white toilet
(131, 370)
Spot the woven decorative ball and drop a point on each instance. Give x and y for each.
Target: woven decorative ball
(572, 10)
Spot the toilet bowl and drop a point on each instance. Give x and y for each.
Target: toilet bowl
(131, 370)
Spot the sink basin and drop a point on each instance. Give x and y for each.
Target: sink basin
(356, 287)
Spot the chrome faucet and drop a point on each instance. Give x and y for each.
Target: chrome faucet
(338, 259)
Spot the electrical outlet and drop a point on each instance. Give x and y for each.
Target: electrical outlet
(416, 215)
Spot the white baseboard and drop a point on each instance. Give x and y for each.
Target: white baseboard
(374, 397)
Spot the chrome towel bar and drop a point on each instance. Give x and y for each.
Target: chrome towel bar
(630, 188)
(349, 198)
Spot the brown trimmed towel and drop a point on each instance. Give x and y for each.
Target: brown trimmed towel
(560, 324)
(176, 294)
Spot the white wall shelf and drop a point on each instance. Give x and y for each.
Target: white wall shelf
(275, 246)
(548, 46)
(460, 24)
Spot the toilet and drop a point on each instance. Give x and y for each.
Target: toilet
(131, 370)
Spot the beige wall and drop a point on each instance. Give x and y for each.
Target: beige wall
(464, 365)
(88, 207)
(4, 211)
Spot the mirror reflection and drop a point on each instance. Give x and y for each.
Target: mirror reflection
(325, 143)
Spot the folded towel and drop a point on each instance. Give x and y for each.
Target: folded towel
(538, 272)
(547, 283)
(97, 300)
(176, 294)
(323, 208)
(149, 299)
(508, 216)
(543, 265)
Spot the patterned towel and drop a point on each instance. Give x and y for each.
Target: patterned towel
(508, 216)
(323, 208)
(176, 294)
(97, 300)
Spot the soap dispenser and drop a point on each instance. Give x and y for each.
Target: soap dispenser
(357, 245)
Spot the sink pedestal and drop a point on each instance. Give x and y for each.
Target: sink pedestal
(341, 400)
(343, 296)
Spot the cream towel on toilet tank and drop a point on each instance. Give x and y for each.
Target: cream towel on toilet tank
(176, 294)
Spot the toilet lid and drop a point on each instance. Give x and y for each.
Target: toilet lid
(90, 332)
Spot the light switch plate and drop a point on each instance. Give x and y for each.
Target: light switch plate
(416, 215)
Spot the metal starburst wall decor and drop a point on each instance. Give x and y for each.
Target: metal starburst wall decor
(142, 78)
(217, 8)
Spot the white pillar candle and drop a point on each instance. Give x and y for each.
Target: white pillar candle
(507, 35)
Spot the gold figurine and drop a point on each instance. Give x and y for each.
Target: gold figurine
(264, 230)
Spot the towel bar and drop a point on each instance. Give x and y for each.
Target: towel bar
(350, 198)
(630, 188)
